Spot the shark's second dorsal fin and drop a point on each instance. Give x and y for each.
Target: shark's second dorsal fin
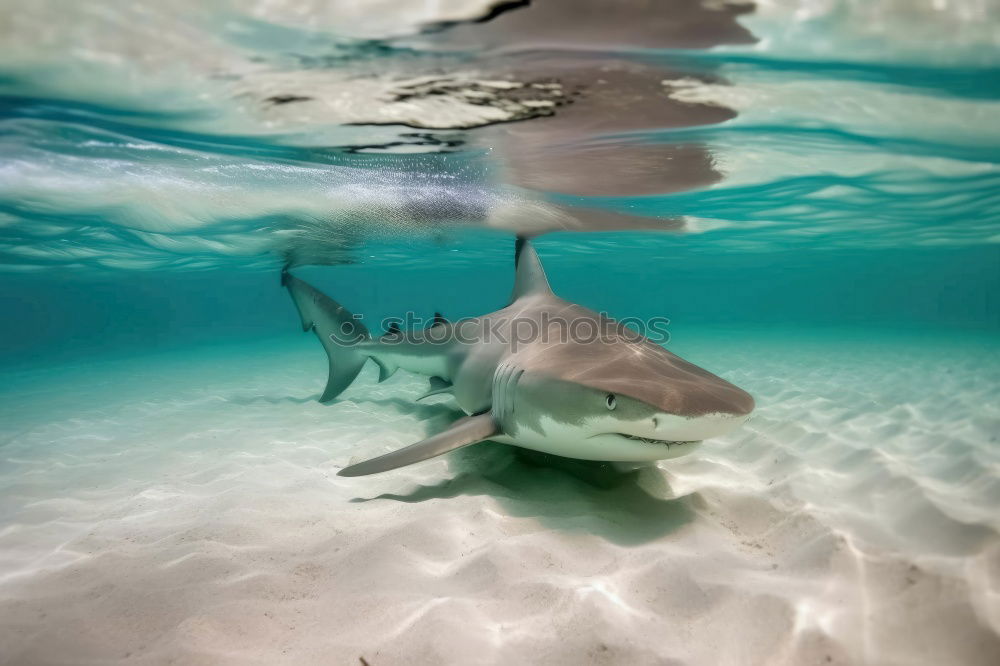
(438, 386)
(529, 275)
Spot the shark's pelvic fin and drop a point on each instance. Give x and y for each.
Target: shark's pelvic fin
(529, 275)
(385, 369)
(337, 329)
(438, 386)
(465, 431)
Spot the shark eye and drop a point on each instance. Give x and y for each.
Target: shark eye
(610, 401)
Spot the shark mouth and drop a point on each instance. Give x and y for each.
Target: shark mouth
(647, 440)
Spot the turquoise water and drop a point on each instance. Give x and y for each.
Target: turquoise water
(62, 316)
(98, 257)
(135, 217)
(809, 192)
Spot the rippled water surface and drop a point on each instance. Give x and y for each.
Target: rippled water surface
(809, 191)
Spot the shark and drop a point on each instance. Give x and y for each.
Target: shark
(541, 373)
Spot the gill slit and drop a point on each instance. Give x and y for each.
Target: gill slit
(504, 383)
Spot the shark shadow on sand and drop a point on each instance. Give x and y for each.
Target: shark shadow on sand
(624, 507)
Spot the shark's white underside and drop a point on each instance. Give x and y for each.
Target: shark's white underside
(624, 441)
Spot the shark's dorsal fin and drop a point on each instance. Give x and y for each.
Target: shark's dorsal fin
(529, 275)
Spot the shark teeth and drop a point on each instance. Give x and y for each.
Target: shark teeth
(648, 440)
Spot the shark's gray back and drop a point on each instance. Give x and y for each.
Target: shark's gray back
(572, 343)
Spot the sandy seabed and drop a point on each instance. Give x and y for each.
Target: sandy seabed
(184, 508)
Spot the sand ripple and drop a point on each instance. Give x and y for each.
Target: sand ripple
(197, 519)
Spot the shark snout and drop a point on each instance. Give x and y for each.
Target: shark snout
(726, 398)
(675, 428)
(720, 399)
(715, 418)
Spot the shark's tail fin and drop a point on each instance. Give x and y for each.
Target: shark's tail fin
(339, 331)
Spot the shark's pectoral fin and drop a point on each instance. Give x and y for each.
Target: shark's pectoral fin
(465, 431)
(438, 386)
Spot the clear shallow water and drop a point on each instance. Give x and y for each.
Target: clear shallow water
(808, 192)
(198, 517)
